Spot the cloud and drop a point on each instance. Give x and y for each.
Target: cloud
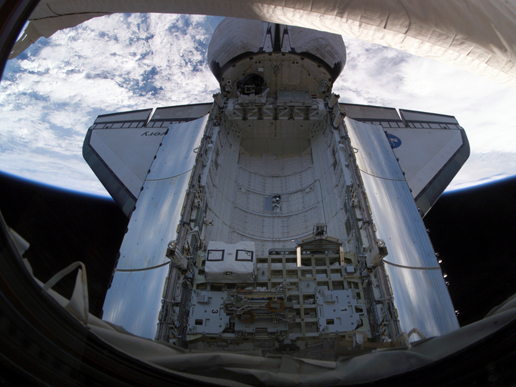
(387, 77)
(52, 94)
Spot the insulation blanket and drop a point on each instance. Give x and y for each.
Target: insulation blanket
(230, 263)
(251, 369)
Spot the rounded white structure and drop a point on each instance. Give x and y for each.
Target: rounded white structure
(266, 56)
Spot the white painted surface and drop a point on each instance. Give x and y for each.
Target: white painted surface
(128, 153)
(424, 152)
(230, 263)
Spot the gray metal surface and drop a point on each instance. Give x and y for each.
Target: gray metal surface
(266, 324)
(134, 299)
(337, 310)
(207, 313)
(420, 294)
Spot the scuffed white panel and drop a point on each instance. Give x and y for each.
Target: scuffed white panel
(275, 184)
(128, 153)
(422, 153)
(282, 226)
(230, 263)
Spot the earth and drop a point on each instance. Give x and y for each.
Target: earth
(52, 93)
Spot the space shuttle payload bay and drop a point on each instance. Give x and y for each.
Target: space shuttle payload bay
(276, 218)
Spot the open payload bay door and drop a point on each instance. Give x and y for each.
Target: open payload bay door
(430, 148)
(430, 151)
(144, 263)
(121, 147)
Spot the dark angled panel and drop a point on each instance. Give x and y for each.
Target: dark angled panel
(111, 182)
(416, 116)
(369, 113)
(433, 190)
(135, 115)
(181, 112)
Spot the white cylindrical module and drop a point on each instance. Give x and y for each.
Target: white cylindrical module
(267, 56)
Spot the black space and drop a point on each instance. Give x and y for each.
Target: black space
(63, 227)
(473, 231)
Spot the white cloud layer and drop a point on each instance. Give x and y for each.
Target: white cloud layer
(50, 95)
(384, 76)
